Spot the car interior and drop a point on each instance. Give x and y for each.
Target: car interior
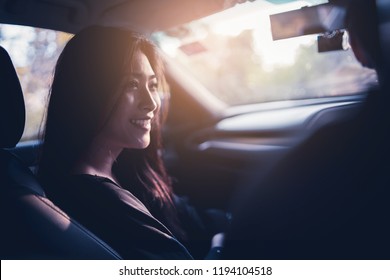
(212, 144)
(33, 226)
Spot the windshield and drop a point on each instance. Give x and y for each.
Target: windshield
(233, 55)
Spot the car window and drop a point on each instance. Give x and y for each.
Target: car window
(34, 52)
(234, 56)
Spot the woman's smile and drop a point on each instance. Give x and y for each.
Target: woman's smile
(142, 123)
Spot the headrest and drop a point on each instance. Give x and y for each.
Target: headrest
(12, 111)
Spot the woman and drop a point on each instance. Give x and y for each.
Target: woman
(100, 159)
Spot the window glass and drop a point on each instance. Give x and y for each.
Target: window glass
(34, 52)
(234, 56)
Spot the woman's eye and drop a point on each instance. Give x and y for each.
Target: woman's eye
(153, 86)
(132, 85)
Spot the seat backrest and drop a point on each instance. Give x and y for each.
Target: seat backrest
(32, 227)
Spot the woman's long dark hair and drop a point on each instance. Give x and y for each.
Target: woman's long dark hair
(84, 92)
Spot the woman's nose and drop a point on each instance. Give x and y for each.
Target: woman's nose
(149, 100)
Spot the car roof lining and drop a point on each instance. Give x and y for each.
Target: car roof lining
(72, 15)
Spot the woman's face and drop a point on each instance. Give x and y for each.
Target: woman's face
(129, 125)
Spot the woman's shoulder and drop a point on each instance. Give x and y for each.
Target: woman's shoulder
(89, 185)
(116, 215)
(88, 179)
(106, 197)
(95, 183)
(99, 187)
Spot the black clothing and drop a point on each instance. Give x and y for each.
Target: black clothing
(200, 225)
(120, 219)
(117, 217)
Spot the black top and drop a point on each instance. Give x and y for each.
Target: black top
(117, 217)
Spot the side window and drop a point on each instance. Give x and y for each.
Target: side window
(34, 52)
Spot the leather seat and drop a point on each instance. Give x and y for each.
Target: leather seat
(32, 227)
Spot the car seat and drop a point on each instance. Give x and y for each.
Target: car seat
(32, 227)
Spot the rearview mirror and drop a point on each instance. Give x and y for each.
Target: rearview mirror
(307, 20)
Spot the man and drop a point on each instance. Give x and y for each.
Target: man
(329, 198)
